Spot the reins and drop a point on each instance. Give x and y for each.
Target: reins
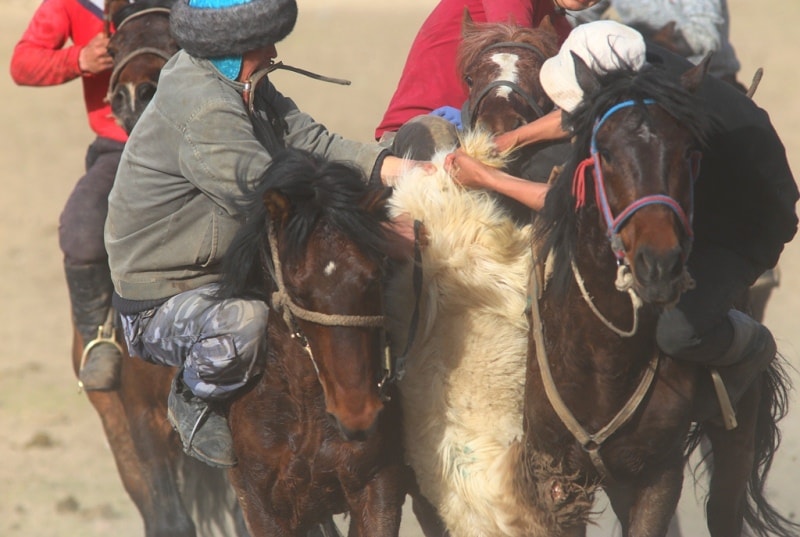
(258, 76)
(281, 301)
(470, 109)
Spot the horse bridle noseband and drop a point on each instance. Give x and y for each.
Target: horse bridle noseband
(121, 64)
(470, 110)
(283, 302)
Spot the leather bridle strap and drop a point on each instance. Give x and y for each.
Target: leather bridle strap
(590, 442)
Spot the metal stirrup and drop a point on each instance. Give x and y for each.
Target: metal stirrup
(106, 334)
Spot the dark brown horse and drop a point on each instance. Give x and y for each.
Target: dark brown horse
(317, 434)
(140, 45)
(175, 494)
(601, 400)
(500, 64)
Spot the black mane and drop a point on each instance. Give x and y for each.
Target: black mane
(557, 224)
(318, 191)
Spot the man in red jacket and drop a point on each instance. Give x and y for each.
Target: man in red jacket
(430, 80)
(43, 57)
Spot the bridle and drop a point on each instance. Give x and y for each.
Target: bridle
(282, 302)
(119, 65)
(615, 223)
(472, 106)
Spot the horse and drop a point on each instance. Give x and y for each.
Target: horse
(500, 65)
(319, 432)
(175, 494)
(608, 264)
(140, 45)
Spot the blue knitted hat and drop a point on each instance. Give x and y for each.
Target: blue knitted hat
(229, 28)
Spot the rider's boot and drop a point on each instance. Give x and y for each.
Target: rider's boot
(90, 290)
(202, 428)
(751, 351)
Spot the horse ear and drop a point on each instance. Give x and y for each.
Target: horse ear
(587, 79)
(112, 6)
(277, 206)
(467, 23)
(547, 26)
(692, 78)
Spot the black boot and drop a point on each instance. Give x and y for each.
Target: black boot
(90, 290)
(750, 353)
(203, 430)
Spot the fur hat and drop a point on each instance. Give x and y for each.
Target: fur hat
(223, 28)
(604, 46)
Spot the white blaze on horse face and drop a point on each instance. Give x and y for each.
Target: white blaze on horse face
(646, 134)
(330, 268)
(508, 71)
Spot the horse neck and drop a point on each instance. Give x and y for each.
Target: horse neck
(571, 312)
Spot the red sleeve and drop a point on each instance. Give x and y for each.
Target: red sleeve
(40, 58)
(519, 12)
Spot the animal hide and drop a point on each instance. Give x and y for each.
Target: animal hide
(464, 381)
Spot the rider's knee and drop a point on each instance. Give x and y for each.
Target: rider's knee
(675, 334)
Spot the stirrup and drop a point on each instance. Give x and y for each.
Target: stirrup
(106, 334)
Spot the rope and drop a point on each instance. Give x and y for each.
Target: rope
(624, 283)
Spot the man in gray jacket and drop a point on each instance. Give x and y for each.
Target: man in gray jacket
(173, 210)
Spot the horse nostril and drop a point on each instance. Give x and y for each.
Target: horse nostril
(654, 267)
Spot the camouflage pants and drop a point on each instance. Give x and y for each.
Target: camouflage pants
(221, 343)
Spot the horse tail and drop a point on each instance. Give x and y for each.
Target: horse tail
(762, 517)
(210, 499)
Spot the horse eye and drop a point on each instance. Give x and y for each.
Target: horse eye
(605, 154)
(145, 92)
(468, 80)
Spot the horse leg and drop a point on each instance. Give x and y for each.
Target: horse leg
(734, 454)
(646, 511)
(376, 509)
(138, 447)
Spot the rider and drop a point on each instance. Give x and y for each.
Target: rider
(741, 226)
(174, 208)
(41, 58)
(700, 27)
(429, 82)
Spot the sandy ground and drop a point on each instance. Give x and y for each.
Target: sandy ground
(56, 472)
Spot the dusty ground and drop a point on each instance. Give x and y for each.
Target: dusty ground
(56, 472)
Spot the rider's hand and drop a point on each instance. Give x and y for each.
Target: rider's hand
(453, 115)
(94, 57)
(466, 170)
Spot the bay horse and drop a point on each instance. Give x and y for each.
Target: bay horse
(140, 45)
(601, 400)
(319, 432)
(176, 495)
(500, 65)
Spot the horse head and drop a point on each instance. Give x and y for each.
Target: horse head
(328, 248)
(140, 46)
(643, 135)
(500, 64)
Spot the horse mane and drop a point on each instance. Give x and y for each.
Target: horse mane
(318, 190)
(478, 36)
(140, 5)
(556, 227)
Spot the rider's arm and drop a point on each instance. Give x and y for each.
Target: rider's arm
(474, 174)
(545, 129)
(40, 58)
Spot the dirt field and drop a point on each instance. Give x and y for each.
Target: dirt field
(57, 476)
